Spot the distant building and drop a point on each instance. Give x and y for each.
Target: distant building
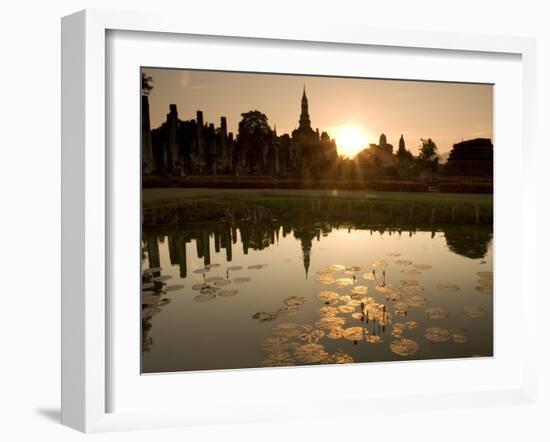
(471, 158)
(376, 158)
(383, 152)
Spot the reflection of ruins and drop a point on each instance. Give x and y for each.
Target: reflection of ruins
(469, 242)
(306, 235)
(252, 235)
(257, 228)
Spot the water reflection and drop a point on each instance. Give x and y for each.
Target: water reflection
(252, 286)
(469, 241)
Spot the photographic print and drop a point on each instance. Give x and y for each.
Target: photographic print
(292, 220)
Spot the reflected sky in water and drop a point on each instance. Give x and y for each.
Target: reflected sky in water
(182, 334)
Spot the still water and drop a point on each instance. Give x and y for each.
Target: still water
(221, 296)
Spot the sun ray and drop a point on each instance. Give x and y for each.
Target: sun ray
(350, 139)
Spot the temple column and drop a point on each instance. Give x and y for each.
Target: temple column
(146, 142)
(175, 160)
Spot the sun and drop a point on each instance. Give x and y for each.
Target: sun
(350, 140)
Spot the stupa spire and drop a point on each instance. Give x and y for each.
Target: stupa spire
(305, 122)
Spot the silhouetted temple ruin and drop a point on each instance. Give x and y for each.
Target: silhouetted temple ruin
(376, 158)
(197, 148)
(146, 143)
(471, 158)
(193, 147)
(317, 153)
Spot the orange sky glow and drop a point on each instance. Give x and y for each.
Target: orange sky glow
(354, 111)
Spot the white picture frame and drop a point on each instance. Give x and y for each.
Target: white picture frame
(87, 210)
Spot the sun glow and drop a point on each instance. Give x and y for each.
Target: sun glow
(350, 140)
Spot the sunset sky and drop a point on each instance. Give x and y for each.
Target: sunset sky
(353, 111)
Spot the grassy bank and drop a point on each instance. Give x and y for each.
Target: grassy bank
(164, 196)
(243, 182)
(256, 182)
(176, 205)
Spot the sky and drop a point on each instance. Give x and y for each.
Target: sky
(354, 111)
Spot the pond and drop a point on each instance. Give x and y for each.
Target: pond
(263, 289)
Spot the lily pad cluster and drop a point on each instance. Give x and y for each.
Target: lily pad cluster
(211, 288)
(403, 262)
(399, 328)
(206, 268)
(404, 347)
(289, 306)
(338, 312)
(215, 286)
(295, 343)
(474, 312)
(437, 334)
(361, 306)
(485, 283)
(153, 291)
(448, 286)
(436, 313)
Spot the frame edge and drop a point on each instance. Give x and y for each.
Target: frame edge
(83, 191)
(83, 371)
(73, 80)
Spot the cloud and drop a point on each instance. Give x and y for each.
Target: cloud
(187, 83)
(185, 79)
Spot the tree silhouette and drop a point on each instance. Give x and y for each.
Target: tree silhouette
(146, 84)
(428, 150)
(428, 158)
(253, 124)
(255, 140)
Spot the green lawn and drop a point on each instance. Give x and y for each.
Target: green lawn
(164, 196)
